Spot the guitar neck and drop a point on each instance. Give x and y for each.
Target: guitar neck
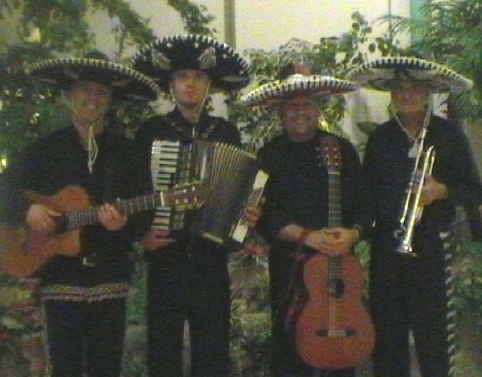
(334, 195)
(89, 216)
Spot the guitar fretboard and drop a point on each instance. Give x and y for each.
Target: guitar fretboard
(89, 216)
(334, 195)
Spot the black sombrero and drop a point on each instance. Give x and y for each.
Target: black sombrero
(126, 83)
(294, 85)
(383, 73)
(226, 68)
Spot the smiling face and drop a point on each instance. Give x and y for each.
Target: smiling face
(300, 118)
(90, 101)
(190, 87)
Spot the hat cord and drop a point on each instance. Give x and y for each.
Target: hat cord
(93, 149)
(198, 115)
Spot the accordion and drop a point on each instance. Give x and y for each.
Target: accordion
(170, 165)
(232, 176)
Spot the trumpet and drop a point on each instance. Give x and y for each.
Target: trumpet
(412, 209)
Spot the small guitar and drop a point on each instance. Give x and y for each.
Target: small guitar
(334, 330)
(23, 251)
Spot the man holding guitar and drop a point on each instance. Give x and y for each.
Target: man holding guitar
(84, 270)
(312, 229)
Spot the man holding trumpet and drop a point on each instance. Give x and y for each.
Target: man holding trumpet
(412, 243)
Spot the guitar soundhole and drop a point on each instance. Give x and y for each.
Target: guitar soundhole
(61, 224)
(337, 288)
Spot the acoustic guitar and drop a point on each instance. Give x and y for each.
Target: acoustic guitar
(334, 330)
(23, 251)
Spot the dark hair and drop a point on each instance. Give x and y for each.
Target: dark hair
(96, 54)
(293, 68)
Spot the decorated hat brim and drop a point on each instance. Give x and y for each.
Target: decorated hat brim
(311, 86)
(385, 73)
(226, 68)
(126, 83)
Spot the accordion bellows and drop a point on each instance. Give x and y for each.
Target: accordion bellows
(234, 180)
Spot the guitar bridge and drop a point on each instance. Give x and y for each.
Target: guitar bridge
(340, 333)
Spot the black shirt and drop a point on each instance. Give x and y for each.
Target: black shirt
(59, 161)
(388, 169)
(174, 127)
(297, 189)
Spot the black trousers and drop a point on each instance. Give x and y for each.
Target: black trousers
(86, 334)
(412, 293)
(193, 287)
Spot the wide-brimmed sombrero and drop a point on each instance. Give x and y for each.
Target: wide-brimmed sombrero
(126, 83)
(383, 73)
(226, 68)
(295, 85)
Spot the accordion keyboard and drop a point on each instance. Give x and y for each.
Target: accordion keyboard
(170, 163)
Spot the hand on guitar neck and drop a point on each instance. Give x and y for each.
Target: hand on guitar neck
(53, 223)
(329, 241)
(45, 222)
(332, 241)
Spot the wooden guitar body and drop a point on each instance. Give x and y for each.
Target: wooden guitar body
(334, 329)
(23, 251)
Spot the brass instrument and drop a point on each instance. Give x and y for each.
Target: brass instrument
(413, 208)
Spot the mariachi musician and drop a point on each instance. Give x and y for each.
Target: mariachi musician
(188, 275)
(296, 220)
(84, 273)
(412, 243)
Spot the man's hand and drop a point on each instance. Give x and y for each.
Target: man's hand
(433, 190)
(41, 218)
(332, 241)
(253, 250)
(156, 239)
(252, 215)
(110, 218)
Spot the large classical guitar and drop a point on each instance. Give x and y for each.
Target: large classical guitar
(23, 251)
(333, 330)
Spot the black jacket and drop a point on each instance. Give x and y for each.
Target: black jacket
(58, 161)
(174, 127)
(297, 189)
(388, 169)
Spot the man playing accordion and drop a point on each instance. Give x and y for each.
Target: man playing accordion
(188, 275)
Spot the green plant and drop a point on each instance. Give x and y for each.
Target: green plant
(449, 32)
(250, 315)
(334, 56)
(30, 111)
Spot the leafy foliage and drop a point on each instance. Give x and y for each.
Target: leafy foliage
(450, 32)
(250, 316)
(333, 56)
(193, 16)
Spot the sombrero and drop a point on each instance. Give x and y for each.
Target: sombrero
(226, 68)
(126, 83)
(294, 85)
(382, 73)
